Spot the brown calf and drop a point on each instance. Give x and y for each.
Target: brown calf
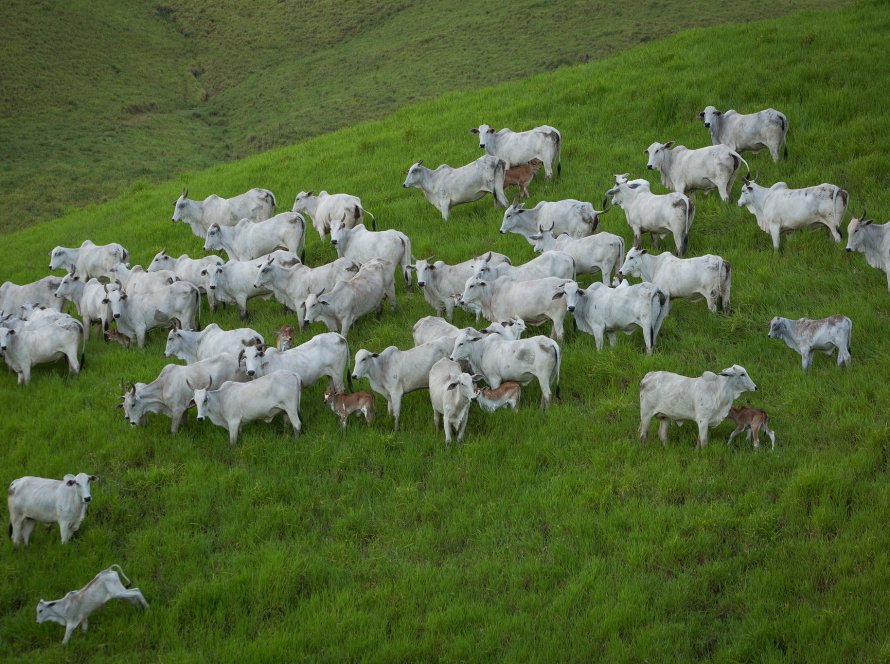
(751, 420)
(345, 405)
(506, 395)
(521, 176)
(285, 339)
(120, 337)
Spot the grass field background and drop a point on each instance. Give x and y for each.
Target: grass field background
(98, 95)
(544, 537)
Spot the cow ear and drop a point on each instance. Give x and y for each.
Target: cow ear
(94, 478)
(718, 112)
(12, 332)
(451, 386)
(701, 115)
(71, 482)
(558, 295)
(375, 354)
(667, 145)
(490, 130)
(644, 251)
(477, 377)
(474, 130)
(308, 194)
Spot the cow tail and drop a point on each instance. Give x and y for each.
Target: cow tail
(558, 154)
(690, 212)
(784, 122)
(844, 197)
(406, 261)
(121, 572)
(725, 283)
(271, 198)
(500, 171)
(558, 364)
(658, 300)
(619, 258)
(348, 368)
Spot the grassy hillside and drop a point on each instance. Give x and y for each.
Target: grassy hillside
(544, 537)
(98, 95)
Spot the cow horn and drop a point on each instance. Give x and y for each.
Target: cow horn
(164, 250)
(862, 216)
(514, 202)
(189, 384)
(429, 258)
(133, 388)
(210, 383)
(185, 192)
(419, 163)
(552, 224)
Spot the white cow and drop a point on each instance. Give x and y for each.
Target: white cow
(706, 400)
(136, 280)
(872, 240)
(41, 341)
(170, 393)
(212, 340)
(441, 282)
(233, 282)
(323, 355)
(603, 252)
(752, 132)
(324, 208)
(76, 607)
(193, 270)
(498, 360)
(519, 147)
(393, 372)
(779, 209)
(708, 277)
(233, 404)
(806, 336)
(291, 285)
(35, 500)
(575, 218)
(658, 215)
(89, 260)
(602, 310)
(89, 297)
(256, 205)
(42, 292)
(248, 239)
(446, 187)
(451, 393)
(136, 315)
(549, 264)
(430, 328)
(349, 300)
(682, 169)
(362, 245)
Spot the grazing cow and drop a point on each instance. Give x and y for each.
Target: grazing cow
(752, 421)
(549, 264)
(193, 270)
(708, 277)
(324, 208)
(603, 252)
(138, 314)
(779, 209)
(507, 394)
(170, 393)
(519, 147)
(323, 355)
(601, 310)
(285, 338)
(233, 404)
(446, 187)
(234, 282)
(89, 260)
(77, 606)
(706, 400)
(571, 217)
(137, 280)
(256, 205)
(248, 239)
(291, 285)
(682, 169)
(752, 132)
(42, 292)
(349, 300)
(521, 176)
(499, 360)
(872, 240)
(344, 405)
(89, 298)
(361, 245)
(41, 341)
(658, 215)
(805, 336)
(393, 372)
(37, 499)
(430, 328)
(440, 281)
(451, 393)
(212, 340)
(535, 301)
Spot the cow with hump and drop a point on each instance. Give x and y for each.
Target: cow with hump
(35, 500)
(446, 187)
(806, 336)
(451, 393)
(872, 240)
(543, 143)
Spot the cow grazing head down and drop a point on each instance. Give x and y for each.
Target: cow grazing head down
(49, 611)
(656, 153)
(484, 131)
(81, 484)
(739, 379)
(854, 231)
(415, 177)
(710, 116)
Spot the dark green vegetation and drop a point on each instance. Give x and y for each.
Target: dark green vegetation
(100, 94)
(545, 537)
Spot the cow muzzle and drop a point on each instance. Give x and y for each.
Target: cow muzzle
(482, 146)
(334, 242)
(200, 418)
(116, 316)
(404, 186)
(849, 250)
(213, 288)
(251, 372)
(354, 377)
(423, 283)
(571, 307)
(87, 499)
(707, 125)
(650, 166)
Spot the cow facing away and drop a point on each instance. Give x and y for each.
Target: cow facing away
(747, 132)
(35, 500)
(77, 606)
(451, 393)
(256, 205)
(446, 187)
(518, 147)
(521, 176)
(324, 208)
(779, 209)
(682, 169)
(872, 240)
(751, 420)
(705, 400)
(806, 336)
(658, 215)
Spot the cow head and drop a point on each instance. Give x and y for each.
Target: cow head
(161, 261)
(199, 399)
(464, 385)
(424, 269)
(212, 275)
(778, 327)
(316, 306)
(855, 231)
(5, 334)
(303, 201)
(285, 338)
(464, 344)
(185, 209)
(51, 611)
(67, 285)
(656, 153)
(749, 191)
(253, 357)
(512, 217)
(572, 294)
(482, 265)
(633, 263)
(115, 299)
(58, 258)
(175, 344)
(339, 232)
(484, 132)
(214, 238)
(710, 116)
(473, 290)
(739, 379)
(266, 274)
(81, 484)
(364, 360)
(415, 176)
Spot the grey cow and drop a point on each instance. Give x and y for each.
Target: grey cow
(806, 336)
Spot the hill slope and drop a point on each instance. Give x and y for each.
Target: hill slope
(100, 94)
(544, 537)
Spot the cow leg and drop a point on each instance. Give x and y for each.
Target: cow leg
(645, 419)
(806, 355)
(771, 434)
(25, 530)
(598, 336)
(776, 234)
(135, 597)
(545, 392)
(176, 420)
(140, 337)
(25, 374)
(523, 191)
(735, 433)
(242, 309)
(647, 338)
(463, 425)
(446, 424)
(69, 627)
(702, 433)
(449, 310)
(679, 242)
(344, 326)
(391, 295)
(444, 209)
(396, 409)
(655, 239)
(548, 170)
(436, 419)
(295, 422)
(755, 432)
(612, 339)
(663, 424)
(66, 531)
(234, 430)
(843, 356)
(86, 327)
(556, 332)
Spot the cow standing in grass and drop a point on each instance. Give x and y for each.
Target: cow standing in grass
(806, 336)
(872, 240)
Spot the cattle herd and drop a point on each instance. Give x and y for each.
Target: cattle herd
(232, 376)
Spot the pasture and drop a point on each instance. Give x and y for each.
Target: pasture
(543, 537)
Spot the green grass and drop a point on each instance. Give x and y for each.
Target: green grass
(544, 537)
(98, 95)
